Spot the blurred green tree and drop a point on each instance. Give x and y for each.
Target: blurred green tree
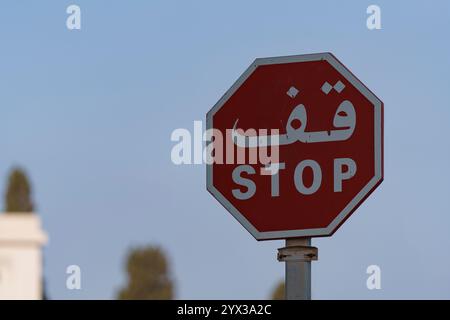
(148, 275)
(18, 193)
(278, 292)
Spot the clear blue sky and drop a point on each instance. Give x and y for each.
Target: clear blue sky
(89, 114)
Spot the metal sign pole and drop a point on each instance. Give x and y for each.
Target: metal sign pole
(298, 255)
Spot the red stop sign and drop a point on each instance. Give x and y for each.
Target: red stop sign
(329, 145)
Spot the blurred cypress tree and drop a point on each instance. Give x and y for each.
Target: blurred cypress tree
(148, 275)
(18, 193)
(278, 292)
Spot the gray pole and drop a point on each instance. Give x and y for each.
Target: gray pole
(298, 255)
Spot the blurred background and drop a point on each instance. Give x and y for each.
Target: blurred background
(86, 117)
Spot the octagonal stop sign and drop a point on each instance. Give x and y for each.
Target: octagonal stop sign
(320, 131)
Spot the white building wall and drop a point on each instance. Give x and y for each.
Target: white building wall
(21, 241)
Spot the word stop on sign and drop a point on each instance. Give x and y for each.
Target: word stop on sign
(343, 169)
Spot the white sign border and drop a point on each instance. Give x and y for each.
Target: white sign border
(356, 201)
